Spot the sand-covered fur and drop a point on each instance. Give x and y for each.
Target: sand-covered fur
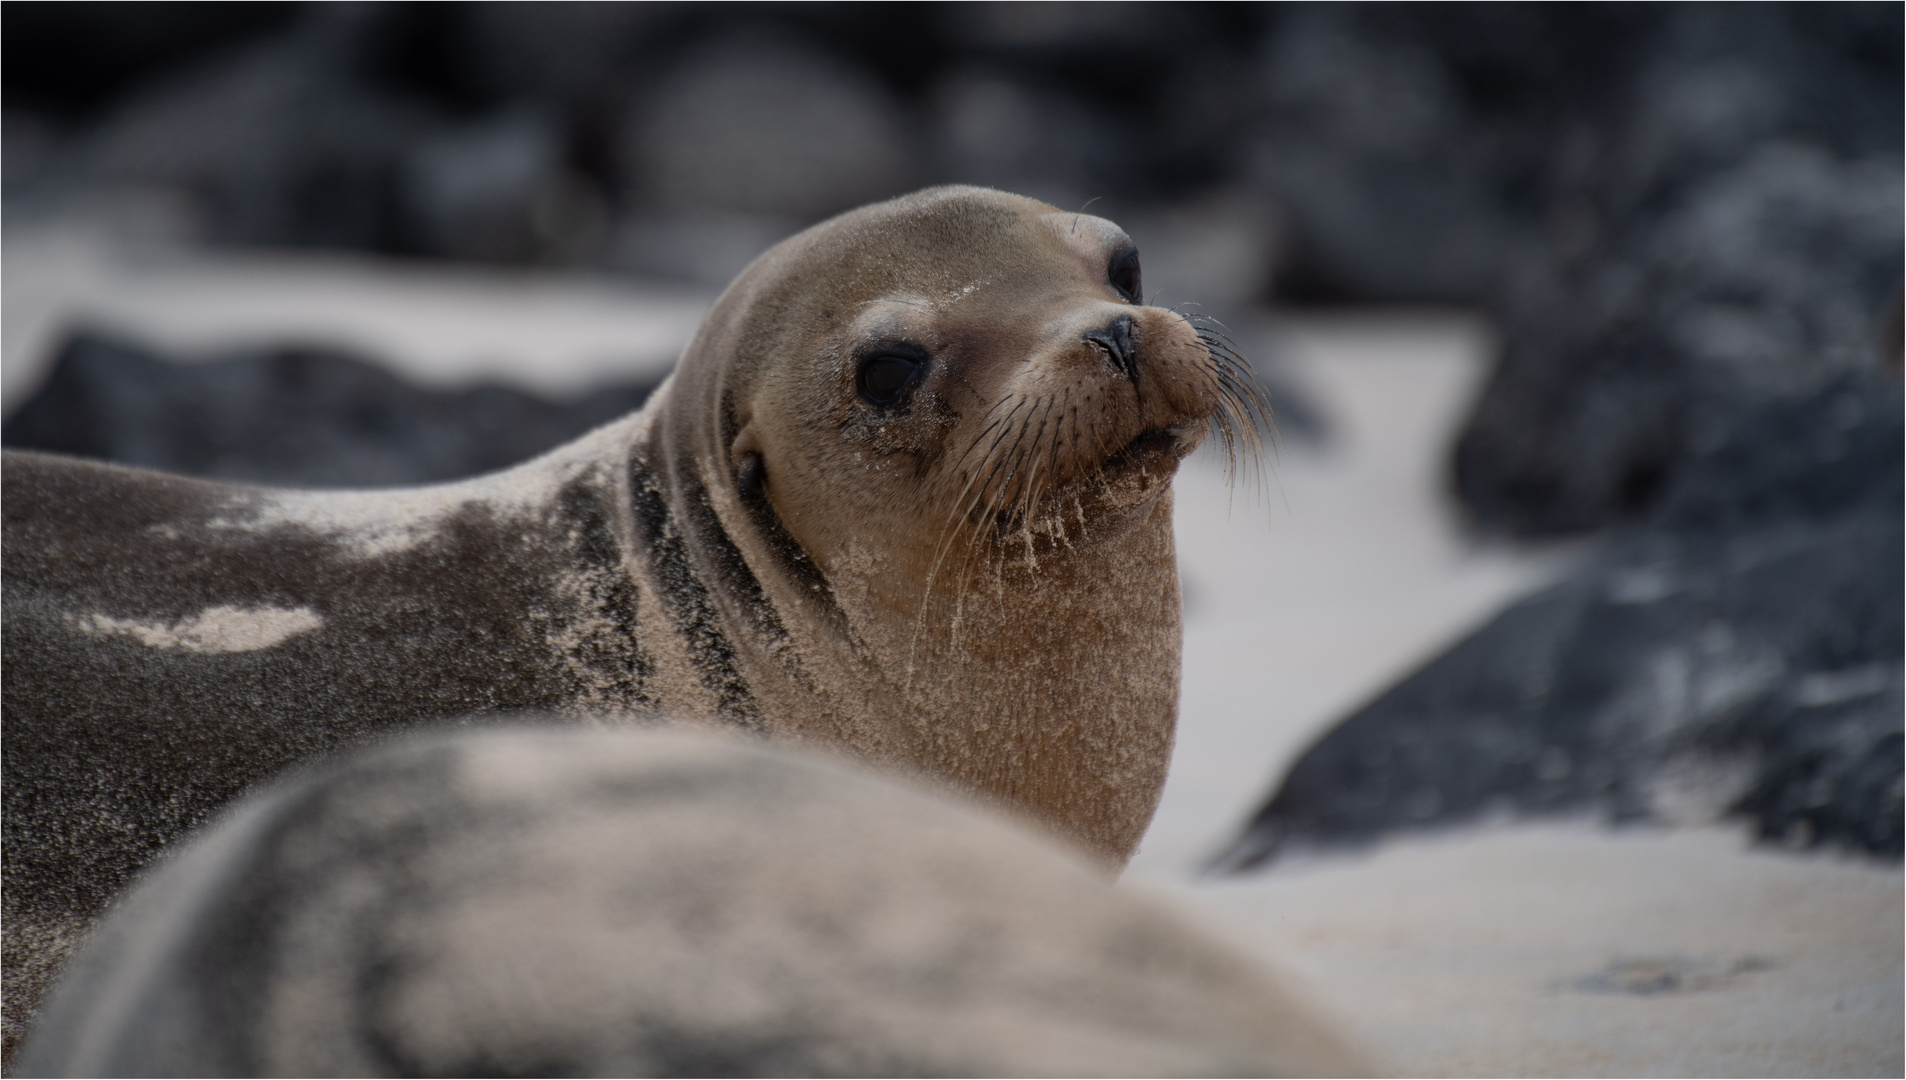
(907, 494)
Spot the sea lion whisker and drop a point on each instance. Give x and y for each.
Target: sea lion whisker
(1242, 392)
(1242, 404)
(1238, 373)
(1052, 465)
(1250, 462)
(1041, 481)
(1001, 437)
(1237, 365)
(974, 475)
(1014, 515)
(1252, 418)
(991, 515)
(962, 504)
(1007, 480)
(1243, 410)
(1226, 353)
(963, 507)
(1212, 330)
(948, 539)
(1030, 492)
(977, 440)
(981, 437)
(970, 518)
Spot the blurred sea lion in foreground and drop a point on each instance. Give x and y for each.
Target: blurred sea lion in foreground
(538, 902)
(907, 494)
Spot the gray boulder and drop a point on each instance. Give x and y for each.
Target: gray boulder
(299, 416)
(1738, 655)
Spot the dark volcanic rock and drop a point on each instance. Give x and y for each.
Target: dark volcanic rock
(499, 189)
(1727, 231)
(744, 141)
(292, 416)
(1758, 284)
(274, 143)
(1740, 654)
(69, 58)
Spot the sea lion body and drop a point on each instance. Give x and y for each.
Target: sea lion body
(906, 495)
(536, 901)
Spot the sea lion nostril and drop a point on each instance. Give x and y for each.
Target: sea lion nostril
(1118, 341)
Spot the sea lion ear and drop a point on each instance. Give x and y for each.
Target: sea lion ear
(745, 456)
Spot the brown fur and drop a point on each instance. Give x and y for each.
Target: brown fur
(1012, 605)
(979, 585)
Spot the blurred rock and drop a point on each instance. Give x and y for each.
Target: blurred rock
(554, 55)
(291, 416)
(767, 127)
(1736, 238)
(1676, 211)
(1000, 132)
(671, 113)
(1133, 103)
(1394, 179)
(743, 142)
(1217, 252)
(275, 143)
(1762, 282)
(69, 59)
(623, 903)
(706, 247)
(1738, 654)
(499, 189)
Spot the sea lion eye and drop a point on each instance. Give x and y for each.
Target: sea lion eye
(1123, 274)
(885, 376)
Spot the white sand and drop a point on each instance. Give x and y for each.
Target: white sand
(1465, 953)
(1457, 954)
(556, 333)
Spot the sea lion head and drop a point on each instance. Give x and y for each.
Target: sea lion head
(957, 373)
(941, 432)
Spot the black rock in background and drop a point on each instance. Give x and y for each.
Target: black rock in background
(301, 417)
(1676, 211)
(1728, 232)
(1740, 653)
(1689, 220)
(71, 58)
(663, 138)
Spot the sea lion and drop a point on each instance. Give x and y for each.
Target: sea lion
(907, 494)
(533, 901)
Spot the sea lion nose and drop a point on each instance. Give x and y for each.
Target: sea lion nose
(1116, 341)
